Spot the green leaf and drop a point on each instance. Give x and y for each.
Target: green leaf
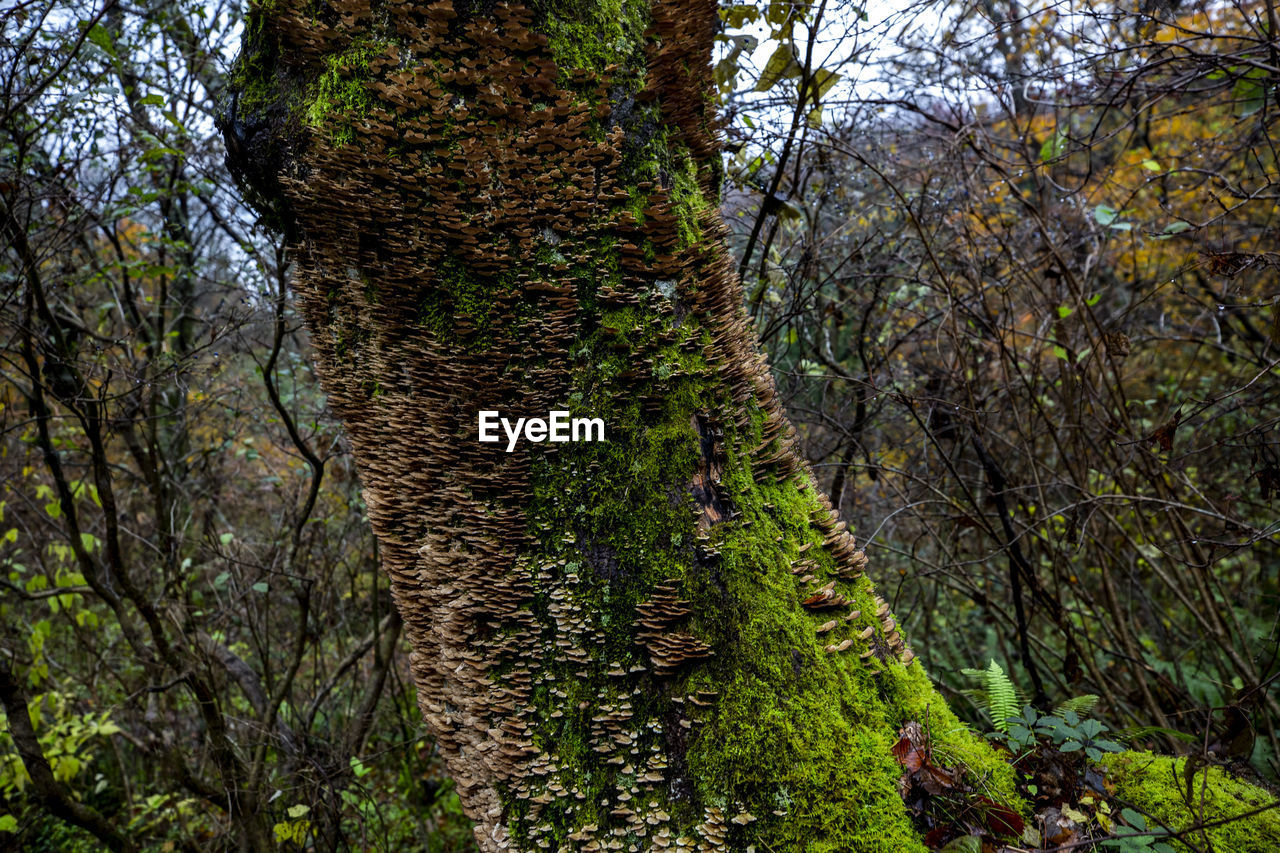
(153, 155)
(1151, 164)
(1061, 353)
(1053, 146)
(1133, 819)
(1065, 311)
(822, 82)
(736, 17)
(1139, 732)
(788, 211)
(1105, 214)
(999, 696)
(1020, 732)
(260, 586)
(297, 811)
(8, 823)
(1080, 704)
(152, 100)
(725, 72)
(1250, 96)
(781, 65)
(65, 767)
(1075, 815)
(172, 118)
(98, 35)
(964, 844)
(226, 538)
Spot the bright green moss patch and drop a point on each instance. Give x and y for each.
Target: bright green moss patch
(802, 737)
(688, 202)
(795, 730)
(253, 76)
(591, 35)
(340, 96)
(1156, 784)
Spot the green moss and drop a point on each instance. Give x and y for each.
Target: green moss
(793, 730)
(1156, 785)
(798, 737)
(252, 76)
(594, 34)
(909, 690)
(340, 96)
(797, 725)
(688, 201)
(461, 306)
(625, 519)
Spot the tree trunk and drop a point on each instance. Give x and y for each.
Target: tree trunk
(662, 640)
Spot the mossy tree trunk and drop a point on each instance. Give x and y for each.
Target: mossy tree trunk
(659, 641)
(662, 640)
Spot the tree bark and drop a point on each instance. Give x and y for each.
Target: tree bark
(660, 641)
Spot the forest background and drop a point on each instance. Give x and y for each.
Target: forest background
(1014, 265)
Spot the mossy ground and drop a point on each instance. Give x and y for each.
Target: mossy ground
(1156, 784)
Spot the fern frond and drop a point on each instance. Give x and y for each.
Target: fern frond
(998, 695)
(1082, 705)
(1002, 697)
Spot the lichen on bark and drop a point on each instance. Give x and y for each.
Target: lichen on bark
(662, 641)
